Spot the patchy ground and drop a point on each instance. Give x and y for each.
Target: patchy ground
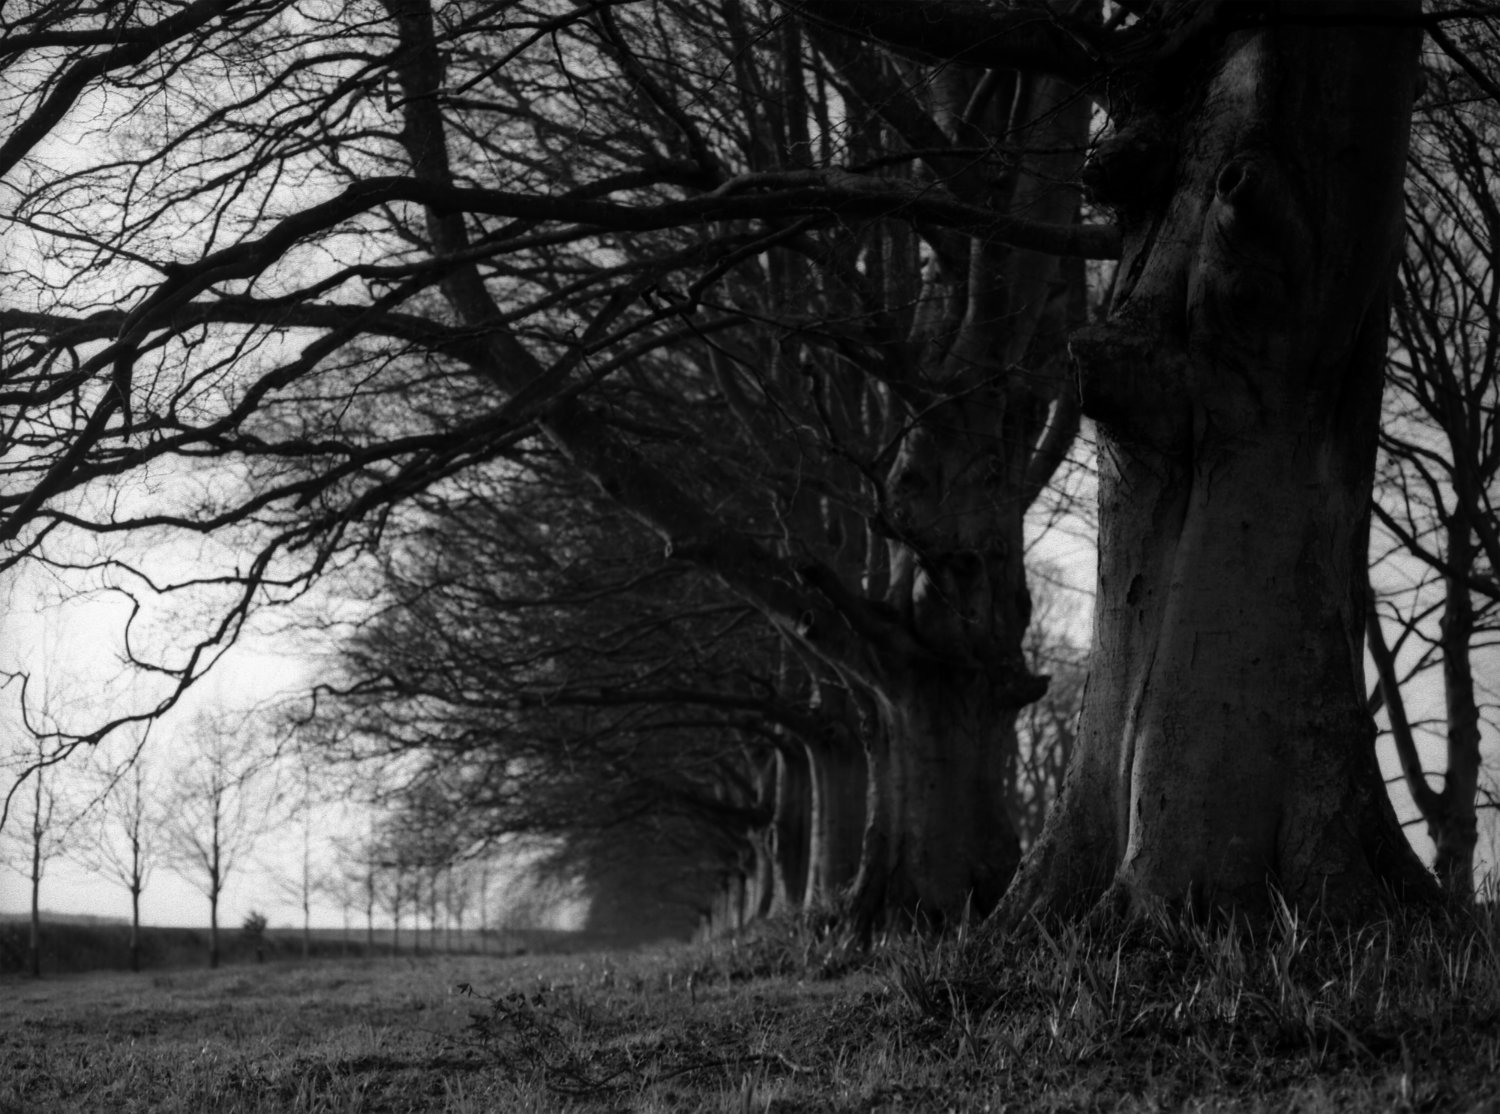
(1155, 1018)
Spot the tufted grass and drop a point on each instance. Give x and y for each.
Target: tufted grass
(1156, 1015)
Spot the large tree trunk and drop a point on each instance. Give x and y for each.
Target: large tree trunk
(940, 842)
(1225, 746)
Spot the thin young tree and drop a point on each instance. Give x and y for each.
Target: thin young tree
(44, 823)
(301, 807)
(219, 806)
(42, 845)
(128, 844)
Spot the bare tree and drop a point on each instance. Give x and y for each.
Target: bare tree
(481, 880)
(43, 828)
(346, 888)
(42, 845)
(399, 888)
(218, 808)
(300, 806)
(459, 894)
(1441, 452)
(128, 845)
(363, 867)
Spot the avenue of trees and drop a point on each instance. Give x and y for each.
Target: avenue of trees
(674, 398)
(208, 801)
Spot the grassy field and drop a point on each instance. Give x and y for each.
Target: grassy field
(75, 945)
(1153, 1017)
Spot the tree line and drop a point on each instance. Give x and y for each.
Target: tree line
(216, 805)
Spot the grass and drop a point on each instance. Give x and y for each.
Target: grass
(1157, 1016)
(75, 945)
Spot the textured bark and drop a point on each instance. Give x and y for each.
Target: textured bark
(1225, 747)
(940, 844)
(940, 841)
(1453, 826)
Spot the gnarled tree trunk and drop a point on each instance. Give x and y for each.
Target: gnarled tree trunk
(1225, 746)
(940, 843)
(940, 840)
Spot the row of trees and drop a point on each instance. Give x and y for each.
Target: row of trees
(120, 821)
(209, 819)
(537, 671)
(685, 385)
(1450, 108)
